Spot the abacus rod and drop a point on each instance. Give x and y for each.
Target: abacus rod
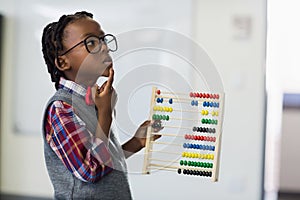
(167, 143)
(187, 99)
(167, 152)
(187, 119)
(167, 134)
(160, 160)
(159, 168)
(178, 127)
(174, 93)
(181, 167)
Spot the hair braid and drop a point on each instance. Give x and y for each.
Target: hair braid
(52, 44)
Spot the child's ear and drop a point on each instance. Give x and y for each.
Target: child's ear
(62, 63)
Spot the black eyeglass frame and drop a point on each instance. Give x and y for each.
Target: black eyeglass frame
(101, 38)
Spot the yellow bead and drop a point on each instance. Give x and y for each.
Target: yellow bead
(217, 113)
(203, 112)
(206, 112)
(171, 109)
(183, 154)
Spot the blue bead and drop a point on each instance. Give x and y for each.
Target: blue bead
(218, 105)
(211, 104)
(184, 145)
(193, 146)
(213, 148)
(204, 104)
(157, 100)
(190, 146)
(215, 104)
(200, 146)
(192, 102)
(170, 101)
(196, 103)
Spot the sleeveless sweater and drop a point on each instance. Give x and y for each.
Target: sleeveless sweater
(66, 186)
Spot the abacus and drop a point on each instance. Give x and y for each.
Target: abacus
(191, 134)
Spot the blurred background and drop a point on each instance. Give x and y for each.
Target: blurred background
(253, 45)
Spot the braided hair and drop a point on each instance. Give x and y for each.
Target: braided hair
(52, 43)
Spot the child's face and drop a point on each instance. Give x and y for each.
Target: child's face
(85, 68)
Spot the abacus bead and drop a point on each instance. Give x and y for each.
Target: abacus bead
(203, 121)
(192, 102)
(167, 117)
(197, 94)
(200, 95)
(185, 162)
(213, 148)
(200, 146)
(194, 128)
(170, 101)
(181, 162)
(204, 104)
(186, 136)
(179, 171)
(157, 100)
(158, 92)
(196, 103)
(199, 129)
(191, 94)
(184, 171)
(184, 145)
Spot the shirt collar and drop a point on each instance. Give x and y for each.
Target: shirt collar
(72, 87)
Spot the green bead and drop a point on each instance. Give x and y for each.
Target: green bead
(154, 116)
(167, 117)
(181, 162)
(203, 121)
(201, 164)
(164, 117)
(209, 121)
(185, 162)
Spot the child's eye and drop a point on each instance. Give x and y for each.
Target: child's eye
(92, 41)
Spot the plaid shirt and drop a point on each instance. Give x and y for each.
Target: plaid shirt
(86, 156)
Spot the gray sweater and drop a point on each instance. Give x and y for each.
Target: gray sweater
(66, 186)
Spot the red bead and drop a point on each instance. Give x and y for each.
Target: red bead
(201, 138)
(158, 92)
(197, 94)
(200, 95)
(191, 94)
(186, 136)
(217, 96)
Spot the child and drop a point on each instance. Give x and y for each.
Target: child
(83, 157)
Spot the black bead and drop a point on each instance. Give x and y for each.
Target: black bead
(179, 171)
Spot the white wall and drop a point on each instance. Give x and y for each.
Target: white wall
(233, 34)
(289, 154)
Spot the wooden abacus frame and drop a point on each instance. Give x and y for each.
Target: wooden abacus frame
(189, 170)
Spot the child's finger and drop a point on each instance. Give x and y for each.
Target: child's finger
(110, 80)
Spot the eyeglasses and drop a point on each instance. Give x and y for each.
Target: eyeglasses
(94, 43)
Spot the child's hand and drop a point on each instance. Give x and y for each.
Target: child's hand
(141, 133)
(105, 96)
